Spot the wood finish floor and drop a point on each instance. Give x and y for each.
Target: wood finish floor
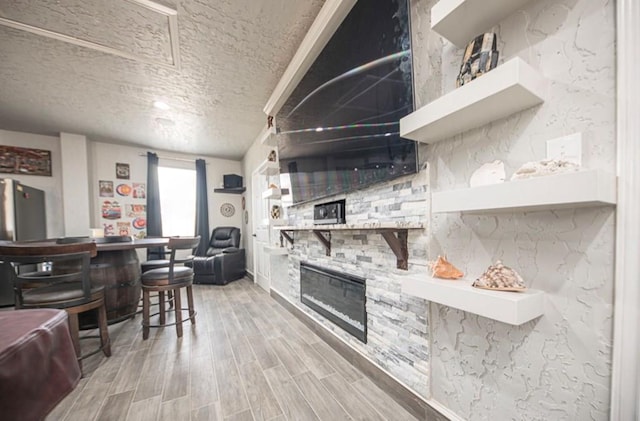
(247, 358)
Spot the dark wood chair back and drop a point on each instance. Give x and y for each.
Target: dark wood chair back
(70, 266)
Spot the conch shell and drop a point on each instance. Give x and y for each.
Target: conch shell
(500, 277)
(442, 268)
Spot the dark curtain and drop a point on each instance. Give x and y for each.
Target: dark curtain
(154, 216)
(202, 207)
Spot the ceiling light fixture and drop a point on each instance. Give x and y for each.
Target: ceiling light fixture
(165, 121)
(161, 105)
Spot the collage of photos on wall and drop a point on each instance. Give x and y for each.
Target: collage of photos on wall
(123, 207)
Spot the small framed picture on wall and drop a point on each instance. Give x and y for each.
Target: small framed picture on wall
(122, 171)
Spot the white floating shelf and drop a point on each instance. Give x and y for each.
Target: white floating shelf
(460, 21)
(269, 137)
(273, 222)
(269, 168)
(570, 190)
(514, 308)
(511, 87)
(277, 251)
(272, 193)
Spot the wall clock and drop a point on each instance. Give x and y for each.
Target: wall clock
(227, 209)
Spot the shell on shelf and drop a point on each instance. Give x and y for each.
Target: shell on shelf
(272, 156)
(489, 173)
(544, 167)
(442, 268)
(273, 186)
(501, 278)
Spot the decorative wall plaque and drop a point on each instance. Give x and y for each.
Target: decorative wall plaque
(227, 209)
(25, 161)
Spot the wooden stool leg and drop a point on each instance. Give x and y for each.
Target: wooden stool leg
(170, 298)
(74, 328)
(192, 313)
(104, 330)
(177, 307)
(145, 313)
(163, 319)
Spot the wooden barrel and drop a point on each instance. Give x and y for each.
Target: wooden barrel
(119, 272)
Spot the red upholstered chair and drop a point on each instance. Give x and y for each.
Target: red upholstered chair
(173, 278)
(38, 365)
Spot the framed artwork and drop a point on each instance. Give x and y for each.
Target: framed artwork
(106, 188)
(122, 171)
(25, 161)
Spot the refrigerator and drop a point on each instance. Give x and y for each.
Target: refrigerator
(22, 218)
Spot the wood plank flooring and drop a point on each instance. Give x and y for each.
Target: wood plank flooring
(246, 359)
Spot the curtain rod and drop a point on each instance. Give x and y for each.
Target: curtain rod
(175, 159)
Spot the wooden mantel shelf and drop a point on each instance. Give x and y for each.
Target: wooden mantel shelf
(394, 233)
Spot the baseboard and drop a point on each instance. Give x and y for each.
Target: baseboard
(409, 400)
(249, 275)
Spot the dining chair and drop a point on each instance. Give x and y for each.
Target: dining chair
(67, 285)
(172, 278)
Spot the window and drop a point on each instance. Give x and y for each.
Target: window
(177, 200)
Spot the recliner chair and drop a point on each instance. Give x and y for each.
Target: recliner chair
(224, 260)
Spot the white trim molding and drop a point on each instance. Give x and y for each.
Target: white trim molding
(172, 28)
(330, 17)
(625, 391)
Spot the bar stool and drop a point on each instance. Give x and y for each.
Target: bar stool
(67, 286)
(173, 279)
(156, 258)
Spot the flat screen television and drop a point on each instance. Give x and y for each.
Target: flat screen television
(339, 129)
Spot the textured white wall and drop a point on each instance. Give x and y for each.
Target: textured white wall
(52, 186)
(75, 184)
(556, 367)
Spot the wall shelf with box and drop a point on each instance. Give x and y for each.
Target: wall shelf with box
(394, 233)
(514, 308)
(460, 21)
(237, 190)
(570, 190)
(509, 88)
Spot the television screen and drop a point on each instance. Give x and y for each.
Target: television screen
(339, 129)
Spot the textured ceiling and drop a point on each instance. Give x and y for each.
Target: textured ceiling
(95, 67)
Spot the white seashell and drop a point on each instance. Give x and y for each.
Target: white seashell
(489, 173)
(544, 167)
(500, 277)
